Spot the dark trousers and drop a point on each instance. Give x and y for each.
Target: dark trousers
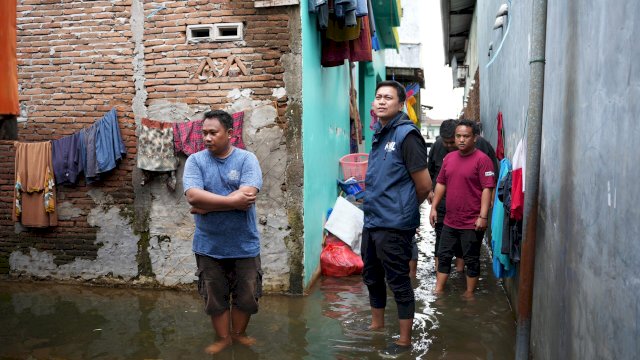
(386, 254)
(469, 240)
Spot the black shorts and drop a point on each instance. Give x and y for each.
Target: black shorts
(225, 282)
(438, 229)
(470, 242)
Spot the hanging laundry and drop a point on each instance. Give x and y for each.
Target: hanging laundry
(187, 137)
(500, 146)
(321, 8)
(335, 53)
(504, 195)
(517, 189)
(373, 119)
(375, 44)
(155, 146)
(88, 153)
(502, 266)
(362, 8)
(66, 158)
(34, 202)
(236, 134)
(511, 227)
(109, 145)
(345, 11)
(336, 32)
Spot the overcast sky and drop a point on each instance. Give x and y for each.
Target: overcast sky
(423, 17)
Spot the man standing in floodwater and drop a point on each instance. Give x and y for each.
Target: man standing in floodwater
(397, 182)
(445, 144)
(467, 178)
(221, 184)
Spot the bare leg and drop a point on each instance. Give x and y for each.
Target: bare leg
(471, 286)
(459, 264)
(413, 268)
(405, 332)
(220, 325)
(377, 319)
(239, 323)
(441, 280)
(436, 263)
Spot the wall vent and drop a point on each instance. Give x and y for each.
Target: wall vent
(227, 32)
(197, 33)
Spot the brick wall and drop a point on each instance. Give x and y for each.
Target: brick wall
(171, 63)
(75, 63)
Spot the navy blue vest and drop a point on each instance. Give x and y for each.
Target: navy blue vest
(390, 199)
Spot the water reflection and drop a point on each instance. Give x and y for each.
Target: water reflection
(45, 321)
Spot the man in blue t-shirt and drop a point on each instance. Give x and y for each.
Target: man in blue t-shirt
(221, 184)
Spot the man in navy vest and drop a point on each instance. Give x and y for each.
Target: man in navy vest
(397, 182)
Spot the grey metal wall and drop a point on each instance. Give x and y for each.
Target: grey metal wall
(586, 301)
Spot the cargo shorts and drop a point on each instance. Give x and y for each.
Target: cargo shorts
(226, 283)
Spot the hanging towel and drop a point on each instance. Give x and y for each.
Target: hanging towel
(155, 146)
(500, 146)
(187, 137)
(517, 189)
(502, 266)
(109, 145)
(236, 134)
(66, 157)
(34, 202)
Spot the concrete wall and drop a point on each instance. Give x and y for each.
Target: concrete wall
(585, 302)
(76, 62)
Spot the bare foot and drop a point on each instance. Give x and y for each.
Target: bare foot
(468, 295)
(243, 339)
(373, 327)
(218, 346)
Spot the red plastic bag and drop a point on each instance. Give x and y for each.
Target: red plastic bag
(337, 259)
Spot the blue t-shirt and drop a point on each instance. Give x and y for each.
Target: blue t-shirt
(232, 233)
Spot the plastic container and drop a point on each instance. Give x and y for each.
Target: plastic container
(355, 166)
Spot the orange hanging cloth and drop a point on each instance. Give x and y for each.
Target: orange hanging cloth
(9, 64)
(34, 202)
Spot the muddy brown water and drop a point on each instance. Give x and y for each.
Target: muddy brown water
(46, 321)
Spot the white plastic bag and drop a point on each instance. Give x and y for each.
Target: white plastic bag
(345, 222)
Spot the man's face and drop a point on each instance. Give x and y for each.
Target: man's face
(465, 140)
(215, 136)
(449, 143)
(387, 104)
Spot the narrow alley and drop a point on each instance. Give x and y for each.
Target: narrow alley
(45, 321)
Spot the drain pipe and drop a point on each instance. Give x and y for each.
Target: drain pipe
(532, 178)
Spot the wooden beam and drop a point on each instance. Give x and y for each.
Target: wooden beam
(269, 3)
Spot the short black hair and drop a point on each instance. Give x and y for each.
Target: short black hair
(402, 93)
(225, 119)
(448, 128)
(470, 123)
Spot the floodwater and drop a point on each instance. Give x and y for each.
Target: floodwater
(45, 321)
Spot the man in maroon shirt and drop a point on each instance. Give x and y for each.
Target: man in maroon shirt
(467, 178)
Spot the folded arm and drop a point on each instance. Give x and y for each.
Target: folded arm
(203, 201)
